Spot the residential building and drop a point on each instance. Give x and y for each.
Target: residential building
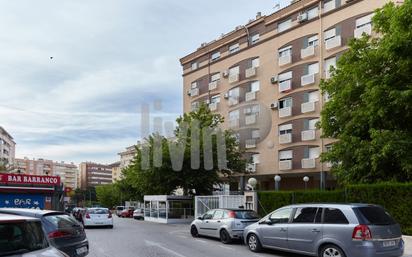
(67, 173)
(116, 171)
(263, 78)
(34, 166)
(127, 156)
(94, 174)
(7, 148)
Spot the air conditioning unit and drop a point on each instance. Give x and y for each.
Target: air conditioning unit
(188, 92)
(225, 73)
(274, 79)
(251, 167)
(274, 105)
(302, 17)
(226, 95)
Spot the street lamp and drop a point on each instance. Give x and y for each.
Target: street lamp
(252, 182)
(277, 179)
(306, 180)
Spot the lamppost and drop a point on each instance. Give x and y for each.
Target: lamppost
(306, 180)
(277, 179)
(252, 182)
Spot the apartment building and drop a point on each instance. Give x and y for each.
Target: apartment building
(94, 174)
(263, 78)
(67, 173)
(116, 171)
(127, 156)
(34, 166)
(7, 148)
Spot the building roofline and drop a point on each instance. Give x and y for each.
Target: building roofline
(7, 133)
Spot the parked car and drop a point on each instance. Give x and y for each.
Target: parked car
(98, 217)
(138, 214)
(225, 224)
(127, 213)
(62, 230)
(350, 230)
(119, 209)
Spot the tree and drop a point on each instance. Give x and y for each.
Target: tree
(370, 107)
(192, 180)
(108, 195)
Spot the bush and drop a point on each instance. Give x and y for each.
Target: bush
(396, 198)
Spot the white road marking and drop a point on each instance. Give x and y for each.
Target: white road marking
(201, 241)
(226, 247)
(178, 231)
(150, 243)
(185, 237)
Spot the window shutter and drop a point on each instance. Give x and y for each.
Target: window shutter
(305, 42)
(306, 152)
(305, 124)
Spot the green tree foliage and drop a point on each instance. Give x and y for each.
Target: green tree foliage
(108, 195)
(164, 180)
(370, 110)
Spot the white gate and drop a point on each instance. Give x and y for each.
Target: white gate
(205, 203)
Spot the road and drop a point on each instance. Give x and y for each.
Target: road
(132, 238)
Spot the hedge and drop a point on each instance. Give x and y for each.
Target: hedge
(396, 198)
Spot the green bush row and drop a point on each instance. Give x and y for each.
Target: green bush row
(396, 198)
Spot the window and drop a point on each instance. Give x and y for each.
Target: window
(255, 133)
(193, 85)
(281, 216)
(374, 215)
(195, 105)
(234, 95)
(286, 51)
(285, 76)
(285, 129)
(329, 5)
(318, 218)
(331, 62)
(208, 215)
(254, 86)
(234, 70)
(305, 215)
(234, 48)
(254, 109)
(311, 152)
(284, 25)
(218, 215)
(215, 77)
(313, 13)
(313, 40)
(312, 123)
(334, 216)
(215, 99)
(194, 65)
(256, 158)
(254, 39)
(255, 62)
(364, 21)
(234, 115)
(285, 155)
(284, 103)
(215, 56)
(313, 68)
(330, 34)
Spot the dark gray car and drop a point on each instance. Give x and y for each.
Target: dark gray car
(62, 230)
(340, 230)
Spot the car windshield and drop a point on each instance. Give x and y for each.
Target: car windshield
(98, 211)
(375, 215)
(248, 215)
(22, 237)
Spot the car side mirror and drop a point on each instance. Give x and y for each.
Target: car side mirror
(200, 218)
(267, 222)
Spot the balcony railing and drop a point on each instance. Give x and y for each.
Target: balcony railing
(308, 163)
(285, 112)
(233, 78)
(285, 138)
(251, 72)
(233, 101)
(250, 119)
(307, 79)
(308, 135)
(285, 85)
(367, 29)
(307, 107)
(333, 42)
(213, 85)
(250, 143)
(194, 92)
(250, 96)
(213, 106)
(285, 165)
(285, 59)
(307, 52)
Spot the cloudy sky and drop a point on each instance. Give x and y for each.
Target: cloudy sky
(109, 57)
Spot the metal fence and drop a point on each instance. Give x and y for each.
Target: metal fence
(206, 203)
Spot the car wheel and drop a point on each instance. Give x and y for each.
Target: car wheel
(331, 251)
(254, 243)
(225, 237)
(193, 231)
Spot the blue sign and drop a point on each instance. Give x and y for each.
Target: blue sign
(22, 201)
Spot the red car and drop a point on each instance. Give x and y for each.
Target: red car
(126, 213)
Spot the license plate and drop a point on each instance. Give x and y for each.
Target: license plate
(81, 250)
(389, 243)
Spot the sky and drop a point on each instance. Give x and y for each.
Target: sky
(74, 73)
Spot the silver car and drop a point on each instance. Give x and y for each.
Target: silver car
(225, 224)
(325, 230)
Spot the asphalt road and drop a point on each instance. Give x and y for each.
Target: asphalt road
(132, 238)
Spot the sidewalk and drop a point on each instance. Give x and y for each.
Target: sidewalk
(408, 246)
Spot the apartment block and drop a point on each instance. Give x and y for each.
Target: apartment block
(263, 78)
(116, 171)
(67, 172)
(34, 166)
(7, 148)
(127, 156)
(94, 174)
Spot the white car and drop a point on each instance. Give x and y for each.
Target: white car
(138, 214)
(98, 217)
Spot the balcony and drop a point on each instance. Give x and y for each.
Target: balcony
(307, 79)
(250, 119)
(285, 165)
(233, 101)
(213, 85)
(285, 59)
(251, 72)
(233, 78)
(234, 123)
(367, 29)
(251, 167)
(250, 143)
(333, 43)
(250, 96)
(308, 163)
(285, 112)
(285, 85)
(308, 135)
(213, 106)
(194, 92)
(307, 52)
(308, 107)
(285, 139)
